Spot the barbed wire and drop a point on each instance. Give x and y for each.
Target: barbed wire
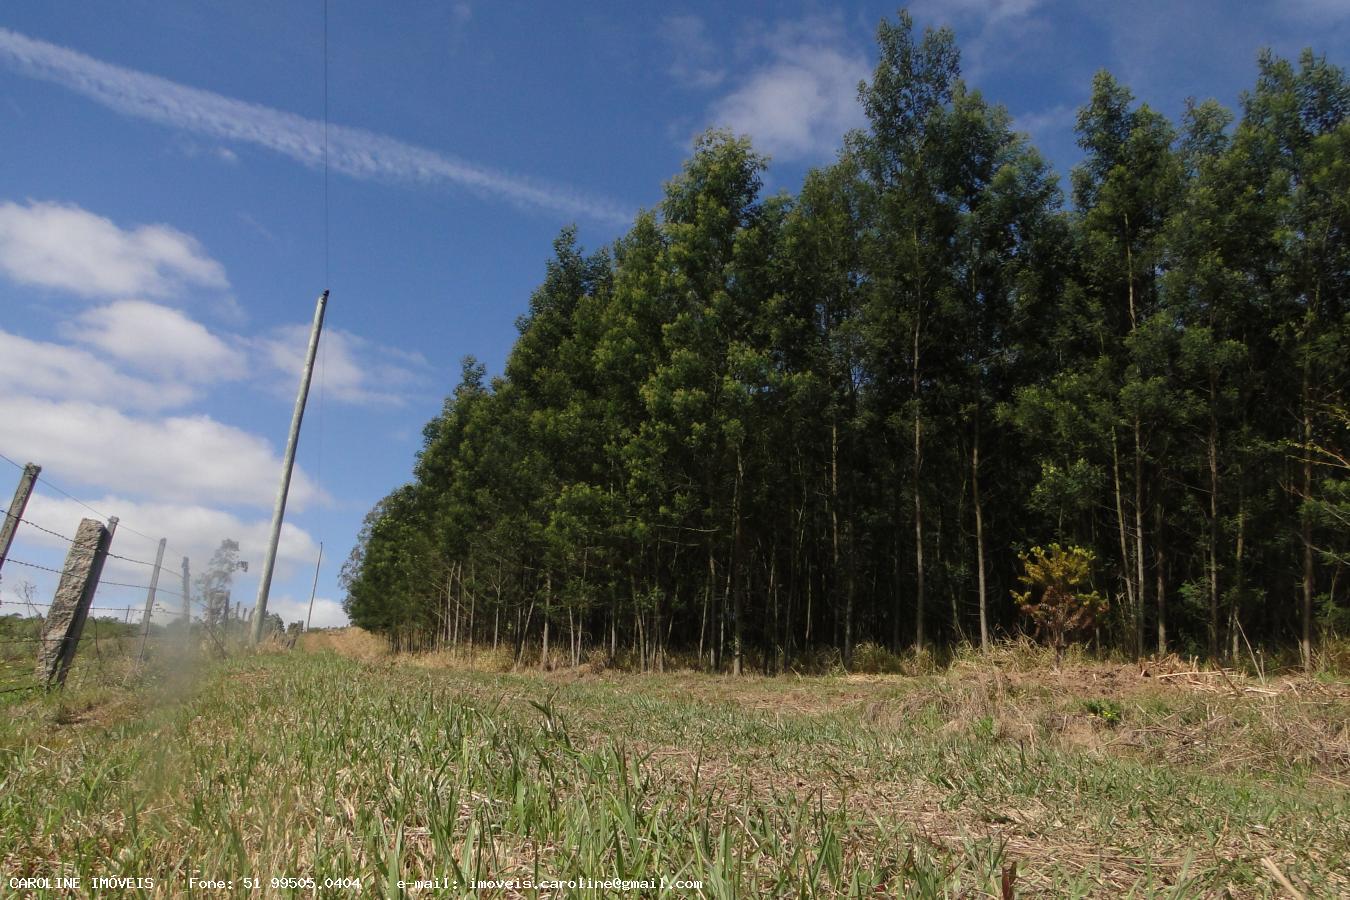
(139, 562)
(19, 562)
(102, 515)
(32, 524)
(159, 607)
(143, 587)
(102, 582)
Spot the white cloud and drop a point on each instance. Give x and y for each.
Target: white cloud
(65, 247)
(55, 371)
(193, 150)
(328, 613)
(350, 368)
(183, 459)
(801, 102)
(351, 151)
(160, 340)
(990, 11)
(694, 57)
(191, 530)
(1045, 122)
(1318, 12)
(994, 35)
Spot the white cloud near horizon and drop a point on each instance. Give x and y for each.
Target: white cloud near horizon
(61, 246)
(328, 613)
(181, 459)
(354, 152)
(801, 101)
(192, 530)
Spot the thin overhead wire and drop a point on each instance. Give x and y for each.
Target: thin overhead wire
(325, 144)
(103, 582)
(121, 525)
(31, 524)
(323, 345)
(19, 562)
(139, 562)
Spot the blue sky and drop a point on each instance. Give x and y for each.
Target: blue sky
(162, 213)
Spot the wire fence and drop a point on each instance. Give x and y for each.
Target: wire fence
(114, 639)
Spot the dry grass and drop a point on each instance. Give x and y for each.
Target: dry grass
(351, 642)
(1095, 780)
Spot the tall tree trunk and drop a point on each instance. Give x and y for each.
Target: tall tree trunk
(723, 601)
(896, 555)
(1309, 584)
(473, 605)
(771, 633)
(1213, 454)
(459, 599)
(850, 592)
(738, 564)
(810, 594)
(707, 599)
(979, 536)
(1139, 534)
(450, 603)
(1125, 561)
(918, 465)
(548, 608)
(1160, 564)
(835, 567)
(1138, 463)
(1239, 574)
(918, 516)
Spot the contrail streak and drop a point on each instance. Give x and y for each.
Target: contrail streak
(351, 151)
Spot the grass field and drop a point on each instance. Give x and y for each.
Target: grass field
(989, 777)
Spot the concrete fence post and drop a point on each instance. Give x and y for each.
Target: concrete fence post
(74, 595)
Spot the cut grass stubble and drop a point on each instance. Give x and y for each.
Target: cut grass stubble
(313, 764)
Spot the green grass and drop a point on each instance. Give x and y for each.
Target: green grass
(315, 765)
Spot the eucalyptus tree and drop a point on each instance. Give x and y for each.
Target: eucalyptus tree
(699, 400)
(1124, 193)
(1008, 233)
(1295, 129)
(824, 242)
(912, 227)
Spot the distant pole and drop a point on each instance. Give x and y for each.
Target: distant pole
(314, 587)
(16, 508)
(150, 596)
(279, 511)
(187, 597)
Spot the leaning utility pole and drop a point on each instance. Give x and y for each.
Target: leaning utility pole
(279, 511)
(150, 596)
(314, 588)
(16, 508)
(187, 598)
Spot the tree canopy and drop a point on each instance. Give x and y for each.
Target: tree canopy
(761, 428)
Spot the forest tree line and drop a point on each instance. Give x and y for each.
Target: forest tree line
(760, 427)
